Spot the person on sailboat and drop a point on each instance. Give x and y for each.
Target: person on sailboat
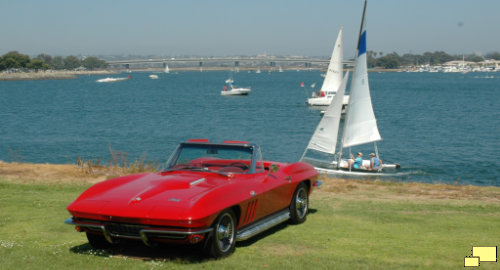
(375, 163)
(358, 161)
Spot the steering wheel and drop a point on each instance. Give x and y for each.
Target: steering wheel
(239, 165)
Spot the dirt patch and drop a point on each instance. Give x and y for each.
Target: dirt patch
(29, 173)
(390, 190)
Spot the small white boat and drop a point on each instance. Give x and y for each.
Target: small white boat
(167, 70)
(231, 90)
(153, 76)
(110, 79)
(333, 78)
(359, 127)
(235, 91)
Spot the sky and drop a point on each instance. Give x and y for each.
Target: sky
(251, 27)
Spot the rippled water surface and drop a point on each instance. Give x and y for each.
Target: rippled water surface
(439, 127)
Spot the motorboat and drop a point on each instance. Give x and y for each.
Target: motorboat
(111, 79)
(235, 91)
(231, 89)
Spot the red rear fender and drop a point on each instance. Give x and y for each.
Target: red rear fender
(300, 171)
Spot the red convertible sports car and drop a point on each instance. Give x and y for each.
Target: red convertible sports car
(213, 194)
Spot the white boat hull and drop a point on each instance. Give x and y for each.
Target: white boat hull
(357, 173)
(331, 168)
(112, 79)
(325, 101)
(236, 92)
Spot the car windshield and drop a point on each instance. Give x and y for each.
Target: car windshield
(213, 157)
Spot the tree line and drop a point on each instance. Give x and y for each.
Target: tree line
(394, 60)
(16, 60)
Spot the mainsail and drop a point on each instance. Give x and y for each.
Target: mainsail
(361, 124)
(333, 78)
(324, 138)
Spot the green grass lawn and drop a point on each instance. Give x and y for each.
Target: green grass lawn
(344, 230)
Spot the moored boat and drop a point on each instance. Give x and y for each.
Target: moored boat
(333, 78)
(231, 90)
(235, 91)
(111, 79)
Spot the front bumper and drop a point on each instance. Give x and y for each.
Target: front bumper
(111, 230)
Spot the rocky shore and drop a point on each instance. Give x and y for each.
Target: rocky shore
(59, 75)
(48, 75)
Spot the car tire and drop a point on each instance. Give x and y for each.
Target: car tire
(299, 206)
(222, 241)
(97, 241)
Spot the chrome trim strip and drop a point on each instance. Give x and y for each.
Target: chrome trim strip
(263, 225)
(195, 182)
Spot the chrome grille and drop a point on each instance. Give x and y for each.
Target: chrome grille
(124, 229)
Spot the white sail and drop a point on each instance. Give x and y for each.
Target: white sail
(361, 124)
(324, 138)
(333, 77)
(167, 70)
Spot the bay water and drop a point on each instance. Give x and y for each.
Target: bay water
(441, 127)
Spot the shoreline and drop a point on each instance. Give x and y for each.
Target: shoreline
(49, 75)
(65, 75)
(49, 174)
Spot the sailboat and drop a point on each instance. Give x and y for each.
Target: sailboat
(359, 127)
(333, 77)
(167, 70)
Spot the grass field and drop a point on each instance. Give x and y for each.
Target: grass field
(352, 225)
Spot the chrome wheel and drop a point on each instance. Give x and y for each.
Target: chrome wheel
(222, 240)
(225, 232)
(301, 204)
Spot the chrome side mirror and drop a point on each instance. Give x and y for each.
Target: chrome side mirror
(273, 168)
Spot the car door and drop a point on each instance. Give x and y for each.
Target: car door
(274, 193)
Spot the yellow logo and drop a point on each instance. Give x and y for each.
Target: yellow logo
(481, 254)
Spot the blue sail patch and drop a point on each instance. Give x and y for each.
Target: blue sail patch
(362, 44)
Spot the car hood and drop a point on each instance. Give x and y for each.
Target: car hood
(168, 195)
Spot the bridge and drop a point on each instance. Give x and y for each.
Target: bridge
(306, 62)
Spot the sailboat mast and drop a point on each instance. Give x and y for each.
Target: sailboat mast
(361, 28)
